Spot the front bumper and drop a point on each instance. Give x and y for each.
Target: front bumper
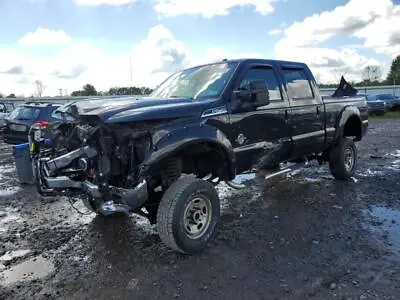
(108, 199)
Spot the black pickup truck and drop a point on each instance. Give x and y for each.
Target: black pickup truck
(161, 155)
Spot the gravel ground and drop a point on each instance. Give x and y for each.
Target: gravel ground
(305, 236)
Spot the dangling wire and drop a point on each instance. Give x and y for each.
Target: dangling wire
(73, 206)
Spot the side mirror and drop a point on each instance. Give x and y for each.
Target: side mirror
(256, 95)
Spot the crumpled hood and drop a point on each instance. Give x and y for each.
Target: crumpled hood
(132, 109)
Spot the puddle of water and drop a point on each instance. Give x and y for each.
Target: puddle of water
(34, 268)
(370, 173)
(396, 154)
(312, 180)
(395, 165)
(9, 191)
(10, 255)
(7, 168)
(389, 220)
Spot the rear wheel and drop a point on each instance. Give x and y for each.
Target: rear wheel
(343, 159)
(188, 215)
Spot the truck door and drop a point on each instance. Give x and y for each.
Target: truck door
(307, 116)
(261, 136)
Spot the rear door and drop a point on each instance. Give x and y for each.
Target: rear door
(261, 136)
(306, 111)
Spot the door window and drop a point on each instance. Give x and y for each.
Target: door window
(268, 76)
(298, 85)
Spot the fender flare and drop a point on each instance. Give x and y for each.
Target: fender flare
(347, 113)
(176, 140)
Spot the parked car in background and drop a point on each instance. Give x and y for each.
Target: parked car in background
(376, 106)
(392, 102)
(5, 109)
(18, 123)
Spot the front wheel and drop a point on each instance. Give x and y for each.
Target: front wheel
(188, 215)
(343, 159)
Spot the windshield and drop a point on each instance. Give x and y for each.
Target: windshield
(203, 81)
(25, 113)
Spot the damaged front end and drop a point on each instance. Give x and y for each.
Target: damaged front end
(101, 162)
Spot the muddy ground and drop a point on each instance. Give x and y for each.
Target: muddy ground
(302, 236)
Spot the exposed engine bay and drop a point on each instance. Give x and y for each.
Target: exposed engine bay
(103, 162)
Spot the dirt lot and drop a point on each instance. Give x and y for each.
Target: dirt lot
(306, 236)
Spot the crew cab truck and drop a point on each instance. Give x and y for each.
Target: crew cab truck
(161, 155)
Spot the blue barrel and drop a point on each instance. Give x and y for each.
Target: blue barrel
(23, 163)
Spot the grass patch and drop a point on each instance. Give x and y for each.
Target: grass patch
(388, 115)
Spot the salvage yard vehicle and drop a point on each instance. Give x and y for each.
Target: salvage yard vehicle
(162, 155)
(5, 109)
(391, 102)
(19, 122)
(376, 107)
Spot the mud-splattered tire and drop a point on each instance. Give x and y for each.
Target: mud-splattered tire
(188, 215)
(343, 159)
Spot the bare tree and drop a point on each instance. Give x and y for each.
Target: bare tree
(40, 87)
(372, 73)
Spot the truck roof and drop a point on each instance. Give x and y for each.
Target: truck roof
(263, 61)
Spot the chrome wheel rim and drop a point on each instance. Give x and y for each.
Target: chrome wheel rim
(349, 159)
(197, 217)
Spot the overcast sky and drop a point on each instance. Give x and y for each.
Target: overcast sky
(68, 43)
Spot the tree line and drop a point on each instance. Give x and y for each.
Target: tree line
(90, 90)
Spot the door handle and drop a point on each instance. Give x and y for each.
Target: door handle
(317, 110)
(286, 116)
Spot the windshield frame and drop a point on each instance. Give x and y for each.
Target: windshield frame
(235, 66)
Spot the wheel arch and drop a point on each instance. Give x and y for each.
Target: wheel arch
(349, 124)
(195, 139)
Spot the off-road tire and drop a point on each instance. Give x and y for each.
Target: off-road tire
(171, 212)
(337, 159)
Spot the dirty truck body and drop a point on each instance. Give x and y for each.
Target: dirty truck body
(162, 155)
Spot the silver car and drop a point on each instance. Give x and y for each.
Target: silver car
(5, 109)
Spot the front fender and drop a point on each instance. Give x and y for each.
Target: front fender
(174, 141)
